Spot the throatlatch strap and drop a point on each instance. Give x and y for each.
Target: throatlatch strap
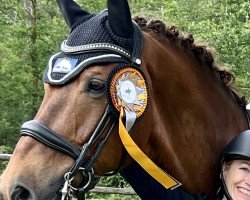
(148, 165)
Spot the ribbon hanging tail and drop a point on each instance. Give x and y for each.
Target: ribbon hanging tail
(141, 158)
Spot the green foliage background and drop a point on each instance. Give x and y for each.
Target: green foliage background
(32, 30)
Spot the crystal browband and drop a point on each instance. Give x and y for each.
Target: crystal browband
(95, 46)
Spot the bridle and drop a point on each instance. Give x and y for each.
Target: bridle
(83, 163)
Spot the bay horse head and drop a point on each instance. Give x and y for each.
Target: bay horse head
(107, 66)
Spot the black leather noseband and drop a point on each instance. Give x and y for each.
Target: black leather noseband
(48, 137)
(84, 164)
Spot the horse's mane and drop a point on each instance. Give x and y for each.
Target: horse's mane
(202, 54)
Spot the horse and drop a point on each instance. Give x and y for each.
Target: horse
(181, 116)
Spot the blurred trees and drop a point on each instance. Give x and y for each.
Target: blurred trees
(32, 30)
(223, 25)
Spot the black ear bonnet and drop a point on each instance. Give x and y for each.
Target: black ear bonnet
(93, 40)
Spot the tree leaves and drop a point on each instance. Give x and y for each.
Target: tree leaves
(222, 24)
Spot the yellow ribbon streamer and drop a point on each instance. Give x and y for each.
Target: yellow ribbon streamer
(148, 165)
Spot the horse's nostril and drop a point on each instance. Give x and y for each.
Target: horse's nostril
(1, 196)
(21, 193)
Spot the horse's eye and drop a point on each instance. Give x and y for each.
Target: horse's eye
(96, 86)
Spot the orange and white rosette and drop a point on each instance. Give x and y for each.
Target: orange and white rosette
(128, 91)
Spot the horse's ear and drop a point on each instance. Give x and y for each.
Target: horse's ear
(71, 11)
(120, 17)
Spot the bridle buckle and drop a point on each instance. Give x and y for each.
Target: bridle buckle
(67, 190)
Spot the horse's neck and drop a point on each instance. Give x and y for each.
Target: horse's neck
(187, 97)
(194, 116)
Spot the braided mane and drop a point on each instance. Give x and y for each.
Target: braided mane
(203, 55)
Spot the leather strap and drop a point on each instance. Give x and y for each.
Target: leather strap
(48, 137)
(248, 117)
(138, 45)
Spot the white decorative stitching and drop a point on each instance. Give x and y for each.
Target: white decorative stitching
(97, 46)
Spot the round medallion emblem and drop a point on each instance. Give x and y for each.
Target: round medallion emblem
(128, 90)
